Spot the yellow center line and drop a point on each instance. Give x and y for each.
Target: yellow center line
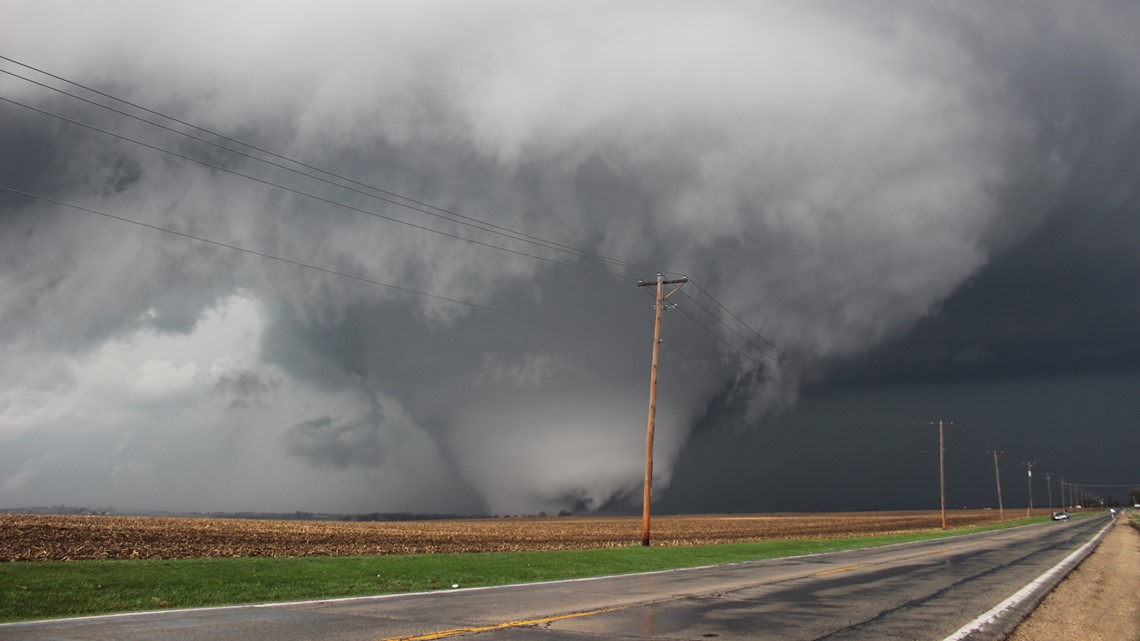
(498, 626)
(838, 570)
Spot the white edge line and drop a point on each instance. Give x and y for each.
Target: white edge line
(395, 595)
(1024, 593)
(372, 597)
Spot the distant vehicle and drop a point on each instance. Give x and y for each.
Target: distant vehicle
(1060, 516)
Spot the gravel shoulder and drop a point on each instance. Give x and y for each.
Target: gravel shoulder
(1097, 601)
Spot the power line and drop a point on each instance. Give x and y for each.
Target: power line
(674, 348)
(324, 270)
(450, 216)
(711, 332)
(475, 225)
(719, 338)
(381, 216)
(781, 358)
(739, 320)
(309, 195)
(777, 359)
(473, 222)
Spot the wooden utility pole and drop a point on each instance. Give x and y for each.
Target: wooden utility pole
(942, 466)
(1029, 484)
(661, 298)
(942, 470)
(1049, 484)
(997, 476)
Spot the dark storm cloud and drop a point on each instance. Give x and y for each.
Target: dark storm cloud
(1057, 305)
(833, 172)
(1057, 302)
(1034, 355)
(244, 387)
(874, 448)
(30, 156)
(48, 252)
(328, 441)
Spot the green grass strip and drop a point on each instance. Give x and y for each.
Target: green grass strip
(44, 590)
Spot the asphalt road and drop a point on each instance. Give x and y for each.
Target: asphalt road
(923, 590)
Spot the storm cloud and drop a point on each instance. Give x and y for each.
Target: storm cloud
(835, 175)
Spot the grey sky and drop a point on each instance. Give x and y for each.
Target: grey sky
(902, 196)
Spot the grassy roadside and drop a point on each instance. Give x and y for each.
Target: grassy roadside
(41, 590)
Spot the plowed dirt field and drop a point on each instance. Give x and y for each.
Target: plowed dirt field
(26, 537)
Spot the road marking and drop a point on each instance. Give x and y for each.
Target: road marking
(498, 626)
(838, 570)
(431, 593)
(1024, 593)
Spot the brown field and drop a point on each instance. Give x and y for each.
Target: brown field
(29, 537)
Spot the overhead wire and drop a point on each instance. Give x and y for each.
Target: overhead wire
(739, 320)
(297, 263)
(781, 358)
(710, 331)
(669, 344)
(720, 338)
(382, 216)
(421, 206)
(472, 222)
(308, 194)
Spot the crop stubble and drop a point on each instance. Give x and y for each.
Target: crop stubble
(28, 537)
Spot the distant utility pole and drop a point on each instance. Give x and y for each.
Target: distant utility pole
(1049, 484)
(997, 476)
(942, 466)
(661, 298)
(1064, 505)
(1029, 483)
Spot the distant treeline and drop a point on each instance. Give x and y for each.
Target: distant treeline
(288, 516)
(58, 509)
(407, 516)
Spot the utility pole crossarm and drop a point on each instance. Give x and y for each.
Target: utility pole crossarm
(675, 281)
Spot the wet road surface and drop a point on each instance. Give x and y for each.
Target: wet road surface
(923, 590)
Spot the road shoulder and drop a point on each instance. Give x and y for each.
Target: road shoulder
(1096, 602)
